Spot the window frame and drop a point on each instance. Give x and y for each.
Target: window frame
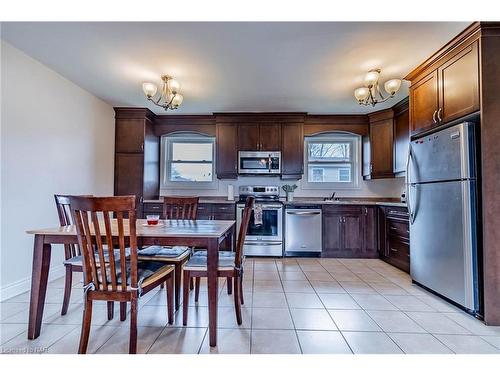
(355, 160)
(166, 161)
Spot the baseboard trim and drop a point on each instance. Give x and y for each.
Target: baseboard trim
(24, 285)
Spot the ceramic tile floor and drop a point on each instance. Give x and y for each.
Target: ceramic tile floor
(292, 305)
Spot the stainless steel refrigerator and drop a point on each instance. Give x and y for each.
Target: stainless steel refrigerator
(443, 206)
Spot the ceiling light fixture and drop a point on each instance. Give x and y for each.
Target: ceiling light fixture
(169, 97)
(370, 94)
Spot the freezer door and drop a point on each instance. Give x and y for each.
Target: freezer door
(443, 252)
(445, 155)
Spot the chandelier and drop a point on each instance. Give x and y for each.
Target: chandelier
(169, 97)
(371, 94)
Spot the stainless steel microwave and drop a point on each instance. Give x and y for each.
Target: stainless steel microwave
(259, 162)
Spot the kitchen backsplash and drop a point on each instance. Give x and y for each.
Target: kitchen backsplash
(386, 188)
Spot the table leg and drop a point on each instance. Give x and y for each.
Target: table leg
(39, 278)
(213, 288)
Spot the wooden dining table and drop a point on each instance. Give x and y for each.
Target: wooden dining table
(207, 234)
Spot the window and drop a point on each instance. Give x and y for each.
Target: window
(188, 161)
(332, 161)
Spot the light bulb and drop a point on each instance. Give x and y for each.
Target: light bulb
(361, 93)
(371, 78)
(149, 89)
(177, 100)
(392, 86)
(174, 85)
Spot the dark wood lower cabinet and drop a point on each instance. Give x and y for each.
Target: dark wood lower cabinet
(349, 231)
(394, 237)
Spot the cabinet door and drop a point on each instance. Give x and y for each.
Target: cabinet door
(224, 211)
(332, 235)
(401, 140)
(248, 137)
(459, 84)
(381, 148)
(129, 135)
(129, 171)
(270, 137)
(204, 211)
(353, 235)
(424, 102)
(292, 151)
(227, 153)
(370, 231)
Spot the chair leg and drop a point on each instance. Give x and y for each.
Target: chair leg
(111, 310)
(196, 288)
(123, 311)
(84, 336)
(237, 300)
(67, 289)
(229, 283)
(191, 283)
(132, 348)
(240, 281)
(185, 297)
(170, 299)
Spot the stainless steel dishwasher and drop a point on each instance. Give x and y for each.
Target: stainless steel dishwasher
(303, 230)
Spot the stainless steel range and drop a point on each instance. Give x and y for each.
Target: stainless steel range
(263, 238)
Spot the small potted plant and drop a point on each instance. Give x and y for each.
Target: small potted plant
(289, 189)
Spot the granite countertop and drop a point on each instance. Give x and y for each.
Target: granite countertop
(308, 200)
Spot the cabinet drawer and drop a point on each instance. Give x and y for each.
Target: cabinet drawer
(398, 253)
(340, 209)
(396, 227)
(153, 207)
(204, 211)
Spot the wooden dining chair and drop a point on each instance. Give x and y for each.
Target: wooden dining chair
(229, 267)
(108, 278)
(174, 208)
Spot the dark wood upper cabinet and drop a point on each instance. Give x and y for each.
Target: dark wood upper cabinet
(292, 151)
(378, 156)
(446, 87)
(270, 137)
(424, 99)
(259, 137)
(248, 137)
(129, 135)
(459, 84)
(227, 152)
(401, 136)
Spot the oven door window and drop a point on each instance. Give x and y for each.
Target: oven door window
(254, 163)
(269, 226)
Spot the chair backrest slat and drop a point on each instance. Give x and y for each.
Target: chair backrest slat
(245, 219)
(180, 208)
(101, 268)
(65, 218)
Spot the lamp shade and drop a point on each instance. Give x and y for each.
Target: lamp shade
(177, 100)
(392, 86)
(371, 78)
(149, 89)
(173, 85)
(361, 93)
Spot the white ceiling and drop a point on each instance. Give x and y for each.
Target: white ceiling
(268, 66)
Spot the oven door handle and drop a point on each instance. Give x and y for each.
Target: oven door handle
(263, 243)
(303, 213)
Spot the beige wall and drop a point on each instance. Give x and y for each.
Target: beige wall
(55, 138)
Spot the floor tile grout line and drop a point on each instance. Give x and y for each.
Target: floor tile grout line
(291, 317)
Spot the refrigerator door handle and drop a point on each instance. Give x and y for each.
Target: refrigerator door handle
(408, 185)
